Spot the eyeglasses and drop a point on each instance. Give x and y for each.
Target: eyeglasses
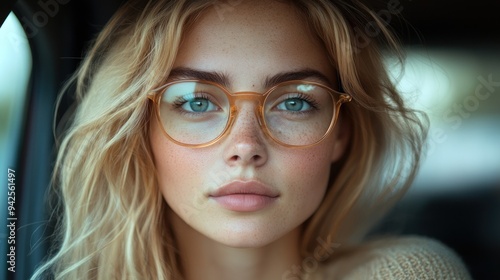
(196, 113)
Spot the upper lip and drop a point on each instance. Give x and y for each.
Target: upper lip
(244, 187)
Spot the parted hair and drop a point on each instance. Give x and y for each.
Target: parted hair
(111, 215)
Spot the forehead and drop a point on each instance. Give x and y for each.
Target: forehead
(270, 20)
(252, 39)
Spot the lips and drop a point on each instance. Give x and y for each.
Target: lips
(244, 196)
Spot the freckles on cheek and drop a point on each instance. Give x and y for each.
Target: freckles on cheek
(315, 162)
(169, 159)
(164, 155)
(175, 168)
(309, 174)
(179, 171)
(174, 181)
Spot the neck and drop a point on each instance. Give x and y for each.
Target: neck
(204, 258)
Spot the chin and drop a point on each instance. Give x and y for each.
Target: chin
(250, 234)
(246, 241)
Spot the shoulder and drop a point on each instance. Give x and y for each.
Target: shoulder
(398, 258)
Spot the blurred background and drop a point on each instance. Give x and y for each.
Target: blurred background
(452, 72)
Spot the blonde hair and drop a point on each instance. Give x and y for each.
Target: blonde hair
(114, 217)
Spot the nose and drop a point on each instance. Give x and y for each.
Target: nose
(245, 144)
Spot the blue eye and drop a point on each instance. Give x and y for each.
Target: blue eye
(198, 105)
(294, 104)
(193, 104)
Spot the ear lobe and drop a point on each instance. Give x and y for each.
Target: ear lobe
(341, 140)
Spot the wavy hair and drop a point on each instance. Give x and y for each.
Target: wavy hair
(112, 216)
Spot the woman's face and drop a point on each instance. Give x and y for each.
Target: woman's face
(247, 43)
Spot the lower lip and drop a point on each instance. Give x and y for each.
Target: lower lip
(244, 202)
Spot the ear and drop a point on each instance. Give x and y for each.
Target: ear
(342, 136)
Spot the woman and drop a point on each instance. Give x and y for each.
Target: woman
(238, 140)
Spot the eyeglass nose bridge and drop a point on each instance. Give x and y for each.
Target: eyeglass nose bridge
(247, 95)
(258, 98)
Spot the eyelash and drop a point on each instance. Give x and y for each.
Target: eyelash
(181, 100)
(313, 103)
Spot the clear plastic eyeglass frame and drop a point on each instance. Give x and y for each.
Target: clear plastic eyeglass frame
(338, 98)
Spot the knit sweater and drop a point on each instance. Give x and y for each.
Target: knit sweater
(397, 258)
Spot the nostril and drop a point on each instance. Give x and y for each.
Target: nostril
(235, 158)
(256, 158)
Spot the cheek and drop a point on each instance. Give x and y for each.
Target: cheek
(306, 174)
(178, 170)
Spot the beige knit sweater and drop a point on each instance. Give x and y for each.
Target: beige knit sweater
(397, 258)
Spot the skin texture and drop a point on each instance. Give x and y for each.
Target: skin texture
(249, 43)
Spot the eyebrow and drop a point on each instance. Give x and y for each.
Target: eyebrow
(223, 78)
(301, 74)
(190, 73)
